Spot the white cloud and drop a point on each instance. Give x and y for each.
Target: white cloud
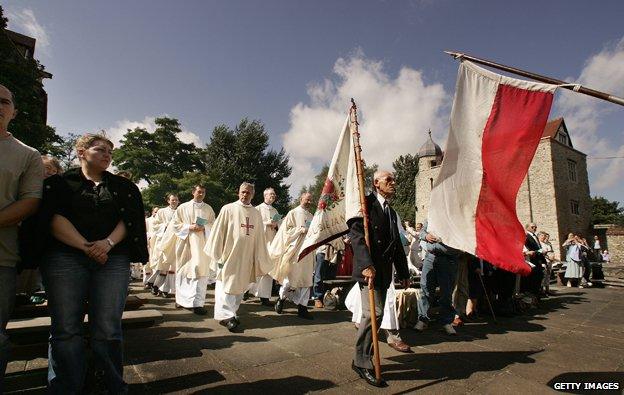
(120, 128)
(394, 115)
(24, 21)
(584, 115)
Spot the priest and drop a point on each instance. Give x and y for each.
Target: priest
(238, 253)
(295, 276)
(162, 279)
(270, 218)
(191, 225)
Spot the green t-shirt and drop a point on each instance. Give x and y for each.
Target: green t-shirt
(21, 177)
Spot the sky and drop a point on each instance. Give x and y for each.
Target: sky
(295, 64)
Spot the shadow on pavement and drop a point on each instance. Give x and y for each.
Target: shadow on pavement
(292, 385)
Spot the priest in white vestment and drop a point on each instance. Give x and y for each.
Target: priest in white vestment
(270, 217)
(162, 282)
(295, 276)
(191, 224)
(238, 253)
(149, 230)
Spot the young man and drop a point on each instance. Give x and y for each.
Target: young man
(21, 181)
(191, 224)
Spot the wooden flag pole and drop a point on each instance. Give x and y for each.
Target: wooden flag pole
(355, 132)
(548, 80)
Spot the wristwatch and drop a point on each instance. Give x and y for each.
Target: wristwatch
(110, 242)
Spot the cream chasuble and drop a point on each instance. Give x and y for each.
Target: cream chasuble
(285, 248)
(159, 225)
(237, 247)
(190, 259)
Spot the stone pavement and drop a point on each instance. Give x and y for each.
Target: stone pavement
(572, 334)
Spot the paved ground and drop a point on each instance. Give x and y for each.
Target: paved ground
(580, 330)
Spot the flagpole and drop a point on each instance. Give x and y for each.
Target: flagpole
(371, 288)
(573, 87)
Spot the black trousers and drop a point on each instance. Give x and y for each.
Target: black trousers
(364, 342)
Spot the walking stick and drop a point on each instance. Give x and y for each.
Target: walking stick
(371, 288)
(487, 297)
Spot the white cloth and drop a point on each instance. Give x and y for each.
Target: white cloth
(297, 295)
(191, 292)
(158, 245)
(390, 320)
(190, 259)
(237, 247)
(285, 249)
(262, 287)
(165, 282)
(226, 305)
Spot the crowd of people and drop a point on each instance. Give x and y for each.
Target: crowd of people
(78, 233)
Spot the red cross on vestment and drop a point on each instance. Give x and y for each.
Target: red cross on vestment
(247, 226)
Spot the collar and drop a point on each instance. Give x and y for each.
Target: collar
(76, 179)
(380, 198)
(243, 204)
(7, 137)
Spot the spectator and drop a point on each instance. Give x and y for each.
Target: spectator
(606, 257)
(21, 176)
(98, 228)
(585, 255)
(51, 165)
(574, 266)
(549, 256)
(597, 248)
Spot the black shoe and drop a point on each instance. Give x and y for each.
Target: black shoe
(302, 312)
(155, 291)
(279, 306)
(265, 302)
(246, 295)
(369, 376)
(164, 294)
(200, 311)
(230, 323)
(178, 306)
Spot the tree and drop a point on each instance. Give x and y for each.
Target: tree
(607, 212)
(243, 154)
(405, 169)
(23, 75)
(65, 150)
(146, 154)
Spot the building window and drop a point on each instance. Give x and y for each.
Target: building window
(572, 170)
(574, 207)
(433, 163)
(563, 138)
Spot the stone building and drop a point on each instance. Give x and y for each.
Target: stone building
(554, 195)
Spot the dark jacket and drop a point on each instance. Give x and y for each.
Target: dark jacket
(385, 249)
(532, 245)
(36, 237)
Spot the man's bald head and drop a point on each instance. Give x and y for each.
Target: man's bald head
(305, 200)
(384, 183)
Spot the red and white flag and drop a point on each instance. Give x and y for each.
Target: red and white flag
(496, 126)
(340, 199)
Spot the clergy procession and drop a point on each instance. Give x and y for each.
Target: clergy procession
(147, 257)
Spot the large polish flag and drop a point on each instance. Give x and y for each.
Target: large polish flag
(496, 125)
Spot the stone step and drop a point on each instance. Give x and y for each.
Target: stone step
(30, 326)
(41, 310)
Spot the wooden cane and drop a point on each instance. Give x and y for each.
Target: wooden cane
(485, 291)
(374, 328)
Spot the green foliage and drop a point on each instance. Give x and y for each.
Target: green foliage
(23, 77)
(146, 154)
(65, 150)
(243, 154)
(163, 184)
(405, 169)
(606, 212)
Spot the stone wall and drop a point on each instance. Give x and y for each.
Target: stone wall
(615, 244)
(426, 173)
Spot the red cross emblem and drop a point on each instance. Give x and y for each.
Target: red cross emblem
(247, 226)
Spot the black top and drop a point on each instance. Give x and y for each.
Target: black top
(93, 210)
(533, 245)
(385, 249)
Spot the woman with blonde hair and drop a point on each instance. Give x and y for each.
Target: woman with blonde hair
(97, 228)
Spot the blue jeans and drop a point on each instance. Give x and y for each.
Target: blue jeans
(7, 300)
(439, 270)
(75, 283)
(319, 269)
